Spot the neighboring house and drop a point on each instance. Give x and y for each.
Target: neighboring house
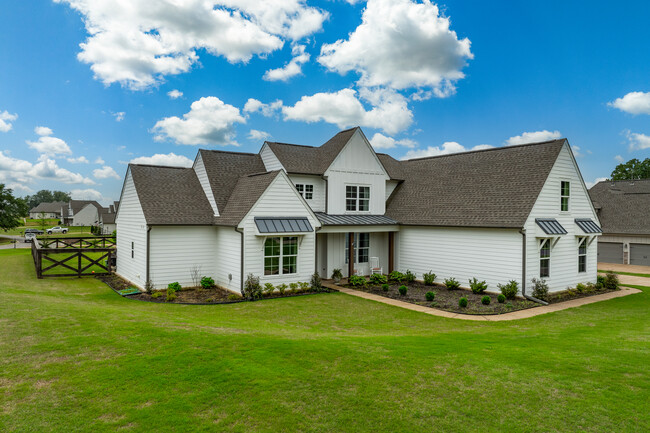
(511, 213)
(107, 221)
(47, 210)
(82, 213)
(623, 208)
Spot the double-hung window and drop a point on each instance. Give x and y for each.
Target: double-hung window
(582, 254)
(565, 191)
(305, 190)
(281, 255)
(545, 258)
(361, 247)
(357, 198)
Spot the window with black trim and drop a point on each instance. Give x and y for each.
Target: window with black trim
(132, 249)
(565, 192)
(582, 254)
(305, 190)
(357, 198)
(361, 247)
(545, 258)
(281, 255)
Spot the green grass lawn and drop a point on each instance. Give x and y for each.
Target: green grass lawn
(74, 262)
(77, 357)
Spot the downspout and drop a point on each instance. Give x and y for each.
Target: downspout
(148, 249)
(523, 271)
(241, 260)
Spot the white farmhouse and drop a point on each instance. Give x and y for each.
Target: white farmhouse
(511, 213)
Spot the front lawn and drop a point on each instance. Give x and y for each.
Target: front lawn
(77, 357)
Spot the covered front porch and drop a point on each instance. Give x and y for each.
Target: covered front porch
(373, 240)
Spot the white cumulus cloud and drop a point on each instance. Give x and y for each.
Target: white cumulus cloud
(598, 179)
(380, 141)
(99, 160)
(48, 145)
(209, 121)
(43, 131)
(401, 44)
(447, 148)
(175, 94)
(533, 137)
(6, 120)
(256, 135)
(105, 172)
(47, 168)
(78, 160)
(267, 110)
(637, 141)
(137, 42)
(86, 194)
(291, 69)
(619, 158)
(169, 160)
(633, 103)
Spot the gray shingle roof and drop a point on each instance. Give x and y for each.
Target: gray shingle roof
(54, 206)
(244, 195)
(171, 195)
(353, 220)
(623, 206)
(485, 188)
(108, 218)
(392, 166)
(77, 205)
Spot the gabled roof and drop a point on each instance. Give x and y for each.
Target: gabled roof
(486, 188)
(244, 195)
(77, 205)
(171, 195)
(299, 159)
(623, 206)
(392, 166)
(108, 218)
(54, 206)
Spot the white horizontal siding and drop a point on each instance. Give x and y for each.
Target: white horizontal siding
(564, 255)
(390, 187)
(271, 162)
(493, 255)
(131, 228)
(87, 216)
(228, 257)
(175, 250)
(317, 203)
(279, 199)
(202, 175)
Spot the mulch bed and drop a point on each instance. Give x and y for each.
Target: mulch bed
(215, 295)
(567, 295)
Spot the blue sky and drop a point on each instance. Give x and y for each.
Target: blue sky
(88, 85)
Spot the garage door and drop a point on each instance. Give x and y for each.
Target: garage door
(610, 252)
(640, 254)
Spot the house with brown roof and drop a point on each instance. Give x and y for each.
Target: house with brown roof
(623, 208)
(510, 213)
(48, 210)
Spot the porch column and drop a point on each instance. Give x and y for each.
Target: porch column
(351, 255)
(391, 252)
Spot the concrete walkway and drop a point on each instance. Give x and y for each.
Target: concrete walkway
(20, 244)
(515, 315)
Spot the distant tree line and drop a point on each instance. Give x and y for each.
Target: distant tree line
(633, 169)
(45, 196)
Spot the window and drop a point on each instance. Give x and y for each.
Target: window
(545, 258)
(305, 190)
(361, 247)
(357, 198)
(281, 255)
(565, 189)
(132, 245)
(582, 254)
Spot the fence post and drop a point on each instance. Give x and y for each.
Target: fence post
(79, 261)
(110, 262)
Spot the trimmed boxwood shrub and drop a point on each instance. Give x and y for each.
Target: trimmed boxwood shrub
(477, 286)
(385, 287)
(462, 302)
(485, 300)
(429, 278)
(207, 282)
(452, 284)
(501, 299)
(378, 279)
(430, 296)
(509, 290)
(402, 290)
(174, 286)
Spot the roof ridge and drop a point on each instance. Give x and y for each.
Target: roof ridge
(228, 151)
(485, 150)
(291, 144)
(261, 173)
(159, 166)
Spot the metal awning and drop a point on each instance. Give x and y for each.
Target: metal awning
(550, 226)
(353, 220)
(588, 226)
(283, 225)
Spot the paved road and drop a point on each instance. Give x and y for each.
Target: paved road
(20, 244)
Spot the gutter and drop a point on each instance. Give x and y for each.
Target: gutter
(148, 249)
(523, 270)
(241, 260)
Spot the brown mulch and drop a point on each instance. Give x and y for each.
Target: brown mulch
(567, 295)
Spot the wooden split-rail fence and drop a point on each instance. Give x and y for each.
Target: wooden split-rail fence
(68, 257)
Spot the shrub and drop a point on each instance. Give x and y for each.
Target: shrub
(403, 290)
(590, 287)
(501, 299)
(462, 302)
(294, 287)
(600, 282)
(485, 300)
(207, 282)
(378, 279)
(509, 290)
(540, 289)
(252, 288)
(357, 280)
(148, 286)
(452, 283)
(171, 294)
(580, 287)
(156, 295)
(509, 306)
(396, 276)
(385, 287)
(337, 275)
(430, 296)
(175, 286)
(269, 289)
(233, 297)
(611, 281)
(282, 288)
(304, 287)
(477, 286)
(409, 277)
(316, 284)
(429, 278)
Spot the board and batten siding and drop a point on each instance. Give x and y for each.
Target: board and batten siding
(271, 162)
(131, 228)
(356, 164)
(493, 255)
(279, 199)
(317, 203)
(564, 255)
(336, 252)
(176, 250)
(202, 175)
(228, 259)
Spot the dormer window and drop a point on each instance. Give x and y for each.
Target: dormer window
(357, 198)
(305, 190)
(565, 190)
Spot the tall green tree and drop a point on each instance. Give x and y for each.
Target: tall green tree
(11, 209)
(633, 169)
(46, 196)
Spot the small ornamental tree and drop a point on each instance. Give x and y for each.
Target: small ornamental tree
(11, 209)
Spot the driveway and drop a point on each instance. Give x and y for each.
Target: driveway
(20, 244)
(628, 279)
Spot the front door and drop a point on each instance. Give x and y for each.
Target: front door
(361, 252)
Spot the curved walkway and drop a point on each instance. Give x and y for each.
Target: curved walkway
(515, 315)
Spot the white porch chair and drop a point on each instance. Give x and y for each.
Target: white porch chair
(374, 266)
